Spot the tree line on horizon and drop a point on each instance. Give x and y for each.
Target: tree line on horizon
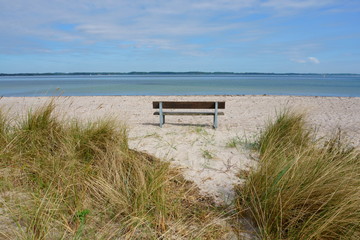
(163, 73)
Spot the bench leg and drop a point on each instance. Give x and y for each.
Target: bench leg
(162, 117)
(215, 121)
(216, 116)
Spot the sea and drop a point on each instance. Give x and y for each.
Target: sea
(340, 85)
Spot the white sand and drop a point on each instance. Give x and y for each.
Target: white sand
(190, 141)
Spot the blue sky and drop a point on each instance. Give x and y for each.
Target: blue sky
(319, 36)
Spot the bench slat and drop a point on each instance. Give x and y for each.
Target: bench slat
(189, 105)
(188, 113)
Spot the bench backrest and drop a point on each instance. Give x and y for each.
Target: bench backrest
(189, 105)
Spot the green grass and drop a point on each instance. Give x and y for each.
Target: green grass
(200, 130)
(207, 154)
(233, 142)
(75, 180)
(302, 189)
(237, 141)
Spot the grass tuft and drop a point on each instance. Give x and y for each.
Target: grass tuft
(235, 142)
(3, 129)
(69, 180)
(301, 189)
(286, 132)
(207, 154)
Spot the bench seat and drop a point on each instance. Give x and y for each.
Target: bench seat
(206, 106)
(188, 113)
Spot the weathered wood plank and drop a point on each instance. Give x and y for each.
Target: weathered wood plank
(188, 113)
(189, 105)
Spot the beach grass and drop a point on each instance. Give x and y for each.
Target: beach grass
(302, 188)
(242, 142)
(233, 142)
(75, 180)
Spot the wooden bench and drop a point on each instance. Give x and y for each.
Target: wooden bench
(189, 105)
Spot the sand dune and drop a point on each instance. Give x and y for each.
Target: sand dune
(190, 142)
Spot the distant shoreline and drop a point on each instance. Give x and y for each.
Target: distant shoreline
(185, 96)
(181, 84)
(165, 73)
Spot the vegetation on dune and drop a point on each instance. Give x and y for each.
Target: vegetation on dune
(81, 181)
(70, 180)
(302, 188)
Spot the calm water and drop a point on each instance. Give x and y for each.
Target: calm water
(172, 84)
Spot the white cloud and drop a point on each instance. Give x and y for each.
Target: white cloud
(223, 4)
(296, 4)
(313, 60)
(182, 16)
(163, 24)
(299, 60)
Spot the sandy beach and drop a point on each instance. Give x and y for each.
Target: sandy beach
(190, 142)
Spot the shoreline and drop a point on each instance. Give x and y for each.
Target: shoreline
(207, 95)
(190, 142)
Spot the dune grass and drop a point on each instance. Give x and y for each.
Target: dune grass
(70, 180)
(302, 188)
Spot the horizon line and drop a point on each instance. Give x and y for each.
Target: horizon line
(165, 72)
